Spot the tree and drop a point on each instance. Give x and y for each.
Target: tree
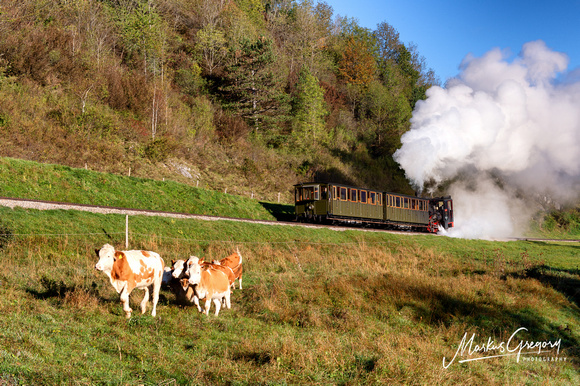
(143, 34)
(388, 115)
(250, 85)
(357, 65)
(309, 110)
(211, 42)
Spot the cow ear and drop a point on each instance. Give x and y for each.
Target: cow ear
(172, 262)
(97, 252)
(119, 255)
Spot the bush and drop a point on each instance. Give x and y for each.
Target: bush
(159, 149)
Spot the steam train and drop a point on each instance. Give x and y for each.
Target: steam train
(332, 203)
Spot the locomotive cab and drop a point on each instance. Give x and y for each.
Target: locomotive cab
(440, 213)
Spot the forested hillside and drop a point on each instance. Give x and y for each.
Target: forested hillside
(246, 95)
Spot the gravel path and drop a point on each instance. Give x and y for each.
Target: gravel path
(50, 205)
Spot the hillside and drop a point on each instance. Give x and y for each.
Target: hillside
(246, 95)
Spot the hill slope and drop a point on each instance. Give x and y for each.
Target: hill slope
(232, 94)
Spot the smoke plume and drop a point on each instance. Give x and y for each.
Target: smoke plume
(504, 133)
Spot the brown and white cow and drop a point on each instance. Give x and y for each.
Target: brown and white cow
(234, 263)
(210, 284)
(128, 270)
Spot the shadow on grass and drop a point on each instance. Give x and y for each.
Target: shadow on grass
(565, 281)
(282, 212)
(53, 289)
(436, 307)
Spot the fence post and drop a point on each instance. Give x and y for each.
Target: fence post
(126, 231)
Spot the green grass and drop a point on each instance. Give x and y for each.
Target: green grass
(318, 306)
(26, 179)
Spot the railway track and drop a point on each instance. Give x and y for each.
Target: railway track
(52, 205)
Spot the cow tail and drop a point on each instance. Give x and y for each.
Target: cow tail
(239, 254)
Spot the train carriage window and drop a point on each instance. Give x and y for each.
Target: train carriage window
(324, 192)
(397, 202)
(354, 195)
(363, 196)
(406, 203)
(380, 199)
(372, 198)
(334, 195)
(343, 194)
(316, 193)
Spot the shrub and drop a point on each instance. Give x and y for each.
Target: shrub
(159, 149)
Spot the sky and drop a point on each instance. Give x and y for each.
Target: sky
(446, 31)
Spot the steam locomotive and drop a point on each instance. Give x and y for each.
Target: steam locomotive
(332, 203)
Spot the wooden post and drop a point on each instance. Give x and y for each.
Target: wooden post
(127, 231)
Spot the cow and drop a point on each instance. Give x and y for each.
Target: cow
(210, 284)
(178, 283)
(128, 270)
(234, 263)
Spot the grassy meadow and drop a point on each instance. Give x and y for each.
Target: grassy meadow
(33, 180)
(318, 306)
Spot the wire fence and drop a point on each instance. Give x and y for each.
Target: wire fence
(172, 238)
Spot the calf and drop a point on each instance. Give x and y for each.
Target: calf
(234, 263)
(128, 270)
(209, 284)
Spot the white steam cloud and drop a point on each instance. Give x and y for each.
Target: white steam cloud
(502, 129)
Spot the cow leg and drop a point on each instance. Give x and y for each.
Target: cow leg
(196, 302)
(240, 281)
(156, 288)
(125, 301)
(218, 304)
(207, 305)
(145, 300)
(227, 298)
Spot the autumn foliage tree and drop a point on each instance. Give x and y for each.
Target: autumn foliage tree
(357, 65)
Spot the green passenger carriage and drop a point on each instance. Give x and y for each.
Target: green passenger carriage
(337, 203)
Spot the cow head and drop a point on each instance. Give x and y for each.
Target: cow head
(178, 268)
(184, 284)
(106, 257)
(189, 262)
(194, 270)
